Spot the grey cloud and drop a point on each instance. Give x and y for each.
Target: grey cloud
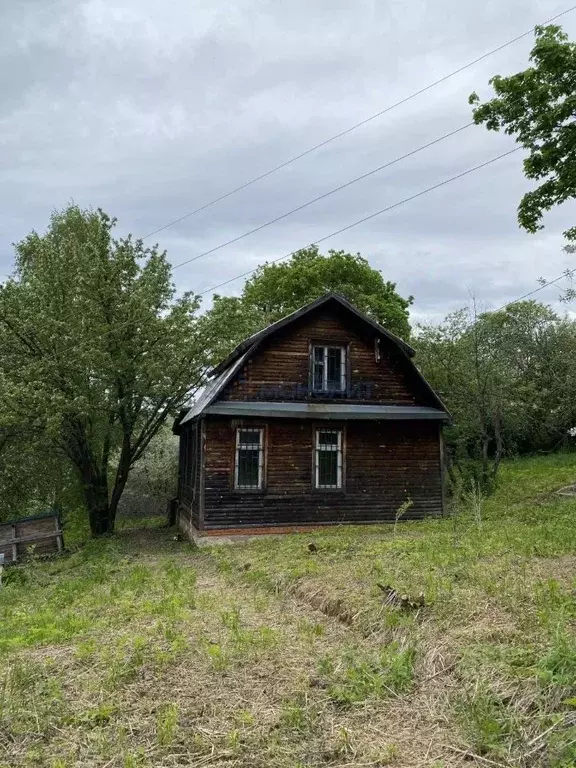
(151, 109)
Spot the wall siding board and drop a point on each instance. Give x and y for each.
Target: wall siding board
(386, 462)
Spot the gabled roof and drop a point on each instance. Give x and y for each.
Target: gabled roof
(225, 371)
(284, 321)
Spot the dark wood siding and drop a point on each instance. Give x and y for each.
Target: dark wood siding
(279, 369)
(189, 475)
(386, 462)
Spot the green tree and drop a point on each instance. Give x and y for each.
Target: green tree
(275, 290)
(96, 352)
(538, 107)
(508, 378)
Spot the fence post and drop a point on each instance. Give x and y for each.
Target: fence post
(14, 544)
(58, 526)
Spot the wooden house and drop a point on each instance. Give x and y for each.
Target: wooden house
(322, 418)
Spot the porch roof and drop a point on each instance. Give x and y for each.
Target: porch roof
(343, 411)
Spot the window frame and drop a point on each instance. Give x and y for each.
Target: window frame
(344, 368)
(340, 459)
(261, 457)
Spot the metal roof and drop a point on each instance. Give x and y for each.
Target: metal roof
(212, 390)
(345, 411)
(256, 338)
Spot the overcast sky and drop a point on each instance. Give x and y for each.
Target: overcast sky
(150, 109)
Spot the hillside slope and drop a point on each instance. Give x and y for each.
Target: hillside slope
(441, 643)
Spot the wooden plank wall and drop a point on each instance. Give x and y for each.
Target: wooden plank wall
(189, 477)
(279, 370)
(385, 463)
(43, 533)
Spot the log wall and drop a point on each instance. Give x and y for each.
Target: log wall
(385, 463)
(279, 370)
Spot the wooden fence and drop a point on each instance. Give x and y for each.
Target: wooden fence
(42, 532)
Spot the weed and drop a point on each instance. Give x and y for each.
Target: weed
(167, 724)
(295, 714)
(358, 677)
(217, 656)
(244, 717)
(486, 721)
(98, 716)
(401, 511)
(558, 666)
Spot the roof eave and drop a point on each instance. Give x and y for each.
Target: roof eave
(338, 411)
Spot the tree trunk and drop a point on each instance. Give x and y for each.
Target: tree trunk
(96, 499)
(122, 473)
(499, 446)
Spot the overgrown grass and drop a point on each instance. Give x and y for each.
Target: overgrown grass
(143, 651)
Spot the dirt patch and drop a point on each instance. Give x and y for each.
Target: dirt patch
(316, 596)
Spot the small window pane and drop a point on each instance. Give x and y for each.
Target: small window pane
(248, 468)
(249, 437)
(318, 369)
(328, 439)
(333, 376)
(318, 354)
(327, 469)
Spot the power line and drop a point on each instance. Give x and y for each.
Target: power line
(354, 127)
(566, 274)
(324, 195)
(357, 223)
(371, 216)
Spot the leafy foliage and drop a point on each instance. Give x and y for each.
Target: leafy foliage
(95, 351)
(508, 378)
(276, 290)
(152, 481)
(538, 107)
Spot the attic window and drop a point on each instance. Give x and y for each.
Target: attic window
(328, 369)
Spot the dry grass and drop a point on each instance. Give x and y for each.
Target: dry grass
(143, 651)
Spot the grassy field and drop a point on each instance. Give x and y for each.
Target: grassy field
(441, 643)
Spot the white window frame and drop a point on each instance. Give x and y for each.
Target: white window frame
(339, 460)
(259, 446)
(325, 348)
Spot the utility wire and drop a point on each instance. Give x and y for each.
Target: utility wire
(355, 224)
(565, 275)
(354, 127)
(370, 216)
(325, 195)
